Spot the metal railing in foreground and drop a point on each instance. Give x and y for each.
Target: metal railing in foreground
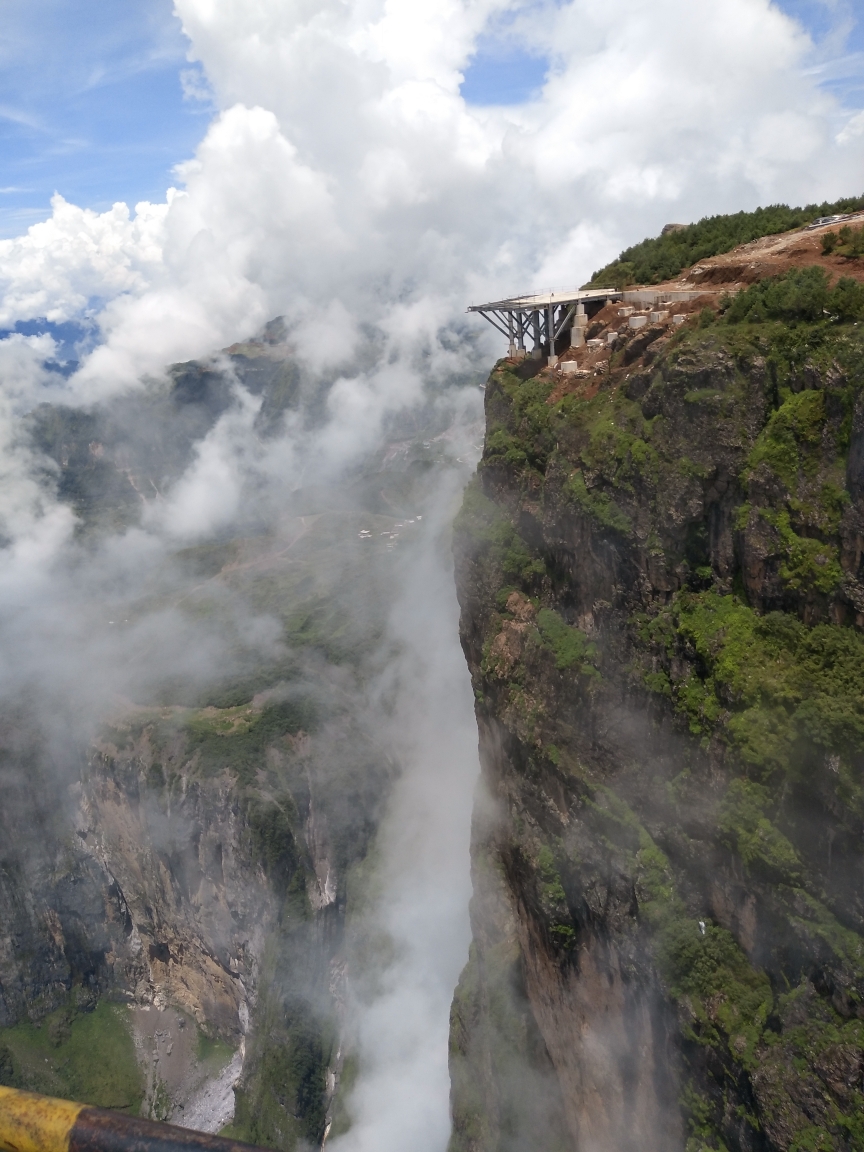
(31, 1123)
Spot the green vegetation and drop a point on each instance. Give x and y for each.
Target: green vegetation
(598, 504)
(212, 1051)
(341, 1111)
(770, 685)
(808, 565)
(814, 1037)
(803, 294)
(554, 899)
(726, 1003)
(76, 1053)
(236, 740)
(283, 1103)
(730, 459)
(791, 438)
(551, 886)
(274, 846)
(745, 827)
(526, 438)
(728, 1000)
(663, 257)
(570, 646)
(848, 242)
(494, 538)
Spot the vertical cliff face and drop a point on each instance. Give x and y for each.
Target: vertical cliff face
(660, 577)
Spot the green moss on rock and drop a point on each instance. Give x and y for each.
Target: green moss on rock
(78, 1054)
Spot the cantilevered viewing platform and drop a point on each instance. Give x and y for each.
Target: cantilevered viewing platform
(560, 316)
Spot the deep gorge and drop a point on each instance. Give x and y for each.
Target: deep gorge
(251, 871)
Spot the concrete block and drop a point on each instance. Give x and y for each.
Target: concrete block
(577, 336)
(659, 317)
(678, 318)
(569, 367)
(595, 343)
(638, 321)
(611, 337)
(628, 310)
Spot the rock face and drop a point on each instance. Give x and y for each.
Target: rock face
(660, 579)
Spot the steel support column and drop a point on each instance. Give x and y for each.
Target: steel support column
(538, 336)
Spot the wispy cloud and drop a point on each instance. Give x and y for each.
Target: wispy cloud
(23, 117)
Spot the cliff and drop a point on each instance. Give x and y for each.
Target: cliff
(660, 571)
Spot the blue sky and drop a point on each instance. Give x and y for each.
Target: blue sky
(92, 103)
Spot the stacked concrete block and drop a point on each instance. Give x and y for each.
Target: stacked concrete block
(580, 323)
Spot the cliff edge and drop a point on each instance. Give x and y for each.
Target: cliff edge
(660, 571)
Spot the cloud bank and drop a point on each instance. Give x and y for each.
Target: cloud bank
(344, 178)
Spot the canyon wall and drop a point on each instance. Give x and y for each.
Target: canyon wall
(660, 574)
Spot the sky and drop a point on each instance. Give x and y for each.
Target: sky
(99, 102)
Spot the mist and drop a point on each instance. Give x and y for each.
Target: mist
(183, 446)
(421, 906)
(116, 506)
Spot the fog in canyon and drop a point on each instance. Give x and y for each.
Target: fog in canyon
(239, 747)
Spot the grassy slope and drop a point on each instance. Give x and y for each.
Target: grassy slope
(86, 1056)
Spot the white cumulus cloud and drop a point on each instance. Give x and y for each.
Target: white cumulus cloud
(344, 172)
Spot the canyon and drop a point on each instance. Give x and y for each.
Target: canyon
(192, 869)
(228, 865)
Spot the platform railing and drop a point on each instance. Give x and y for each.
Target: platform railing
(32, 1123)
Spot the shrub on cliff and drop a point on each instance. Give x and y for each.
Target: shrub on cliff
(849, 243)
(804, 294)
(777, 689)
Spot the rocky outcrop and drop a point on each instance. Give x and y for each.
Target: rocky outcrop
(659, 585)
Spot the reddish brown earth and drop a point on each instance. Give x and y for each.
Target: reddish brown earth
(729, 272)
(770, 256)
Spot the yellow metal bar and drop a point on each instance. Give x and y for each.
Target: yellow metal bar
(31, 1123)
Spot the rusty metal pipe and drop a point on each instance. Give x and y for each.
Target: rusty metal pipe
(31, 1123)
